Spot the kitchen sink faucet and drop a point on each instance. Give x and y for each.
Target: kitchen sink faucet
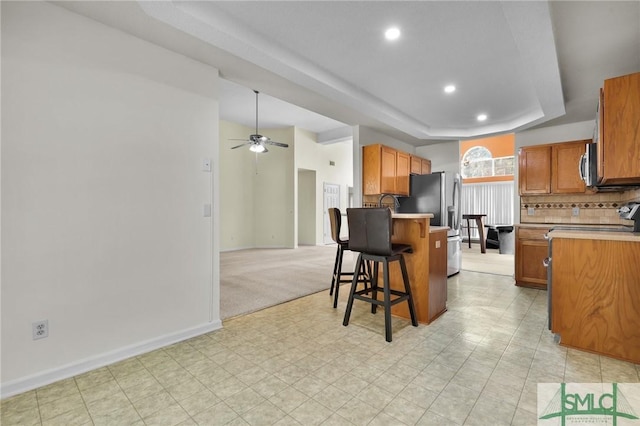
(396, 203)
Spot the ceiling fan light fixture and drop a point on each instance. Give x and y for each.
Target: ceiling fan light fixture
(257, 148)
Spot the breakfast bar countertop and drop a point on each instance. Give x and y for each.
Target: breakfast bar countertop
(590, 235)
(411, 215)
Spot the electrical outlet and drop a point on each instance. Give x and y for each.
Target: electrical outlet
(40, 329)
(531, 211)
(576, 211)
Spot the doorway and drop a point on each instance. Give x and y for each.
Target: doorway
(331, 197)
(306, 207)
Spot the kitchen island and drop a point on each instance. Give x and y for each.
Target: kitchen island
(426, 266)
(594, 292)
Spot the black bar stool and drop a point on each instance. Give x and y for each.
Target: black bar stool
(335, 218)
(370, 234)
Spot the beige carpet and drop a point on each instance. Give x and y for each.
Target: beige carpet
(491, 262)
(255, 279)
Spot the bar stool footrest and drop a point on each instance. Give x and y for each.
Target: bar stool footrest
(402, 296)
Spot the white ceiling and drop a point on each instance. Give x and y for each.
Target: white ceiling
(523, 63)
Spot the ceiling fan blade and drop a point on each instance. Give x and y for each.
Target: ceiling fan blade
(242, 144)
(246, 140)
(283, 145)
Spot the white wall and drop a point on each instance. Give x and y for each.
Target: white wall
(256, 194)
(237, 171)
(555, 134)
(444, 156)
(545, 135)
(103, 233)
(307, 209)
(275, 193)
(311, 155)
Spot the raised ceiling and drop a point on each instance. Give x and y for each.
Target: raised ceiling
(522, 63)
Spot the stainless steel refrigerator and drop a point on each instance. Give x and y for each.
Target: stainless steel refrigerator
(439, 193)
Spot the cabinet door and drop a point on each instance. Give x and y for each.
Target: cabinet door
(437, 273)
(594, 296)
(371, 169)
(530, 272)
(416, 165)
(620, 159)
(403, 165)
(565, 159)
(388, 171)
(534, 170)
(426, 166)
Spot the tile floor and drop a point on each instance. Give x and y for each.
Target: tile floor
(295, 364)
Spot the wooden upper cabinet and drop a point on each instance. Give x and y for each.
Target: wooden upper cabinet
(420, 166)
(534, 170)
(388, 176)
(551, 169)
(619, 145)
(385, 170)
(416, 165)
(426, 166)
(565, 159)
(403, 167)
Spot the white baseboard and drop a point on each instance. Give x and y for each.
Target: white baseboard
(44, 378)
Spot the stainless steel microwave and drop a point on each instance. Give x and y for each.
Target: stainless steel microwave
(589, 171)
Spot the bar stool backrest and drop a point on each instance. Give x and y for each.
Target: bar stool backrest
(370, 230)
(336, 223)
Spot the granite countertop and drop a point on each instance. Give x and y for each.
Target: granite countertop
(411, 215)
(536, 225)
(573, 225)
(438, 228)
(586, 235)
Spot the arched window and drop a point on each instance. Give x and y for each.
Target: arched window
(478, 162)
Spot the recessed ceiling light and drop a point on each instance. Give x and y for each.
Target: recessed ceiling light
(450, 88)
(392, 33)
(482, 117)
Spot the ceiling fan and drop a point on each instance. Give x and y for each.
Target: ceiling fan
(256, 141)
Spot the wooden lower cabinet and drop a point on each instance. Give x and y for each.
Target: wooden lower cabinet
(595, 296)
(437, 273)
(427, 268)
(532, 248)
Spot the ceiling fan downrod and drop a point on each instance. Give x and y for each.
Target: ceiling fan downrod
(256, 92)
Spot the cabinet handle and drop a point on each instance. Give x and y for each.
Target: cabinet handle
(546, 261)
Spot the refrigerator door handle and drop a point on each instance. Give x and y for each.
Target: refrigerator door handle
(457, 201)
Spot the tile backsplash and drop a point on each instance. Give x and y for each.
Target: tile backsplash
(597, 208)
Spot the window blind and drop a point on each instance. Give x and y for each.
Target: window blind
(495, 199)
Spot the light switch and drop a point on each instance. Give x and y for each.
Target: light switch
(438, 244)
(207, 210)
(206, 165)
(531, 211)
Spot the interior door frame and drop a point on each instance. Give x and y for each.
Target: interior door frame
(326, 225)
